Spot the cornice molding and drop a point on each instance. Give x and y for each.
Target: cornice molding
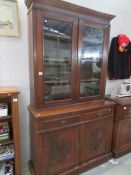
(67, 6)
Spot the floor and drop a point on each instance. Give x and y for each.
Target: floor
(121, 166)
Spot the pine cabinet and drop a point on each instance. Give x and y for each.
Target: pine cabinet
(10, 147)
(68, 48)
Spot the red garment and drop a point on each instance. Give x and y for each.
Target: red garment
(119, 63)
(123, 41)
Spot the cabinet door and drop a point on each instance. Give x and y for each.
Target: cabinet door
(56, 76)
(96, 138)
(93, 43)
(60, 150)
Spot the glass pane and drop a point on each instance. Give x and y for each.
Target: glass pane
(91, 61)
(57, 59)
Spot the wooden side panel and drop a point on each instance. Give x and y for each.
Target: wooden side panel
(15, 123)
(118, 112)
(32, 143)
(36, 162)
(122, 137)
(122, 126)
(32, 43)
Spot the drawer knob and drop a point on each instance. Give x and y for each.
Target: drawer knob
(63, 122)
(98, 114)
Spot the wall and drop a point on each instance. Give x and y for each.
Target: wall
(14, 68)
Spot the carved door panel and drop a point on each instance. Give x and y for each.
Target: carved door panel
(61, 150)
(97, 136)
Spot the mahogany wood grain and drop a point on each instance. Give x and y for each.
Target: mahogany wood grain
(54, 9)
(89, 107)
(16, 140)
(74, 133)
(122, 126)
(64, 133)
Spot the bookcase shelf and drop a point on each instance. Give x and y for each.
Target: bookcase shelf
(6, 142)
(1, 161)
(5, 118)
(9, 95)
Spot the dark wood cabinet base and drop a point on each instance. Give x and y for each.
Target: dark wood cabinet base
(72, 142)
(80, 168)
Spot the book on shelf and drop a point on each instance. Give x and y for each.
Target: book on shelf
(4, 131)
(6, 168)
(3, 109)
(4, 138)
(6, 152)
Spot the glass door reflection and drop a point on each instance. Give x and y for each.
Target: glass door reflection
(91, 61)
(57, 59)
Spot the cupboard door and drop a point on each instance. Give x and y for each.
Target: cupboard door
(61, 151)
(97, 136)
(57, 36)
(92, 66)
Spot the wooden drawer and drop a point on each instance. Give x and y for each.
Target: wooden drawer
(98, 113)
(61, 122)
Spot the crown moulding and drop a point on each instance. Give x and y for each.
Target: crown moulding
(27, 3)
(67, 6)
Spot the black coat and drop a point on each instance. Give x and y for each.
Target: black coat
(119, 66)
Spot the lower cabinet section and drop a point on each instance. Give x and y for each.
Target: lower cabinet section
(71, 143)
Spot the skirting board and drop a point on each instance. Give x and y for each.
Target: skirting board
(25, 171)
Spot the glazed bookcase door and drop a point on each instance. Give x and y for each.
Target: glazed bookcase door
(58, 38)
(91, 65)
